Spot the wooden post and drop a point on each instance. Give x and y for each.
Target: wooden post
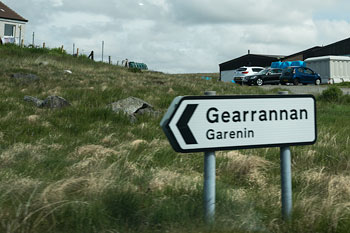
(103, 46)
(62, 49)
(43, 45)
(20, 36)
(109, 60)
(77, 52)
(22, 43)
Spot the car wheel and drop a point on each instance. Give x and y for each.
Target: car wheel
(318, 81)
(259, 82)
(296, 82)
(283, 83)
(304, 84)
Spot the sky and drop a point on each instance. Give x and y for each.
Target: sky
(183, 36)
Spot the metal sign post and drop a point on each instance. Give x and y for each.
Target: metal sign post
(286, 178)
(209, 180)
(286, 182)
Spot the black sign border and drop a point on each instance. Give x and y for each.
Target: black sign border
(177, 148)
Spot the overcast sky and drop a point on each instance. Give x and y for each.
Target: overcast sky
(184, 36)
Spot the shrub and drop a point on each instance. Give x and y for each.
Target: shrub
(331, 94)
(57, 51)
(135, 70)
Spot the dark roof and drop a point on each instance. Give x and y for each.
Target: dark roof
(7, 13)
(347, 40)
(341, 47)
(250, 60)
(313, 49)
(255, 55)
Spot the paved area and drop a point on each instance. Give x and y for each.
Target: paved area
(308, 89)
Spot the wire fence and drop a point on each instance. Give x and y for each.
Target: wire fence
(76, 52)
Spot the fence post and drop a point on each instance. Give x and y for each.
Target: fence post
(20, 36)
(103, 46)
(33, 40)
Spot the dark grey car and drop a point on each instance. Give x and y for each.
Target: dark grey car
(267, 76)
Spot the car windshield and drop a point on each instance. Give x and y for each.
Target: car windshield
(264, 71)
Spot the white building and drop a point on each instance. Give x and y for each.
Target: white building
(332, 69)
(12, 25)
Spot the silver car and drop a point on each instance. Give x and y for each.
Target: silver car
(241, 72)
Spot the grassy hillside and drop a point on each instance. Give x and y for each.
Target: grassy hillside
(86, 169)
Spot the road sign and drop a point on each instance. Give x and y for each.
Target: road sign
(211, 123)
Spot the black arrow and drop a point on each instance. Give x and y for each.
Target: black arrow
(182, 124)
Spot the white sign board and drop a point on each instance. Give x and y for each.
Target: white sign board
(210, 123)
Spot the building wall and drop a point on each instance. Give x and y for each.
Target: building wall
(19, 30)
(298, 57)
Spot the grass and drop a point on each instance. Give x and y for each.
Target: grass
(86, 169)
(343, 84)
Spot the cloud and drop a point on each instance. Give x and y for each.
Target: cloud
(236, 12)
(57, 3)
(184, 36)
(330, 31)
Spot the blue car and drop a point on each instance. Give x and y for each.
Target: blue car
(298, 74)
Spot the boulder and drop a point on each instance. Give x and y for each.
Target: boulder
(133, 107)
(49, 102)
(25, 77)
(41, 61)
(55, 102)
(36, 101)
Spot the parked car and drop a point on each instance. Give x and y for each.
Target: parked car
(246, 71)
(297, 74)
(267, 76)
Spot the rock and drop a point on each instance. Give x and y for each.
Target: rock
(133, 106)
(49, 102)
(36, 101)
(25, 77)
(55, 102)
(33, 118)
(43, 63)
(130, 105)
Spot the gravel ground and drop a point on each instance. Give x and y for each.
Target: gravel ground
(308, 89)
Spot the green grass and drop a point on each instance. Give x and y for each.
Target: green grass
(86, 169)
(343, 84)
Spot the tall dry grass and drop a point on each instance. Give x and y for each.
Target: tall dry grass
(86, 169)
